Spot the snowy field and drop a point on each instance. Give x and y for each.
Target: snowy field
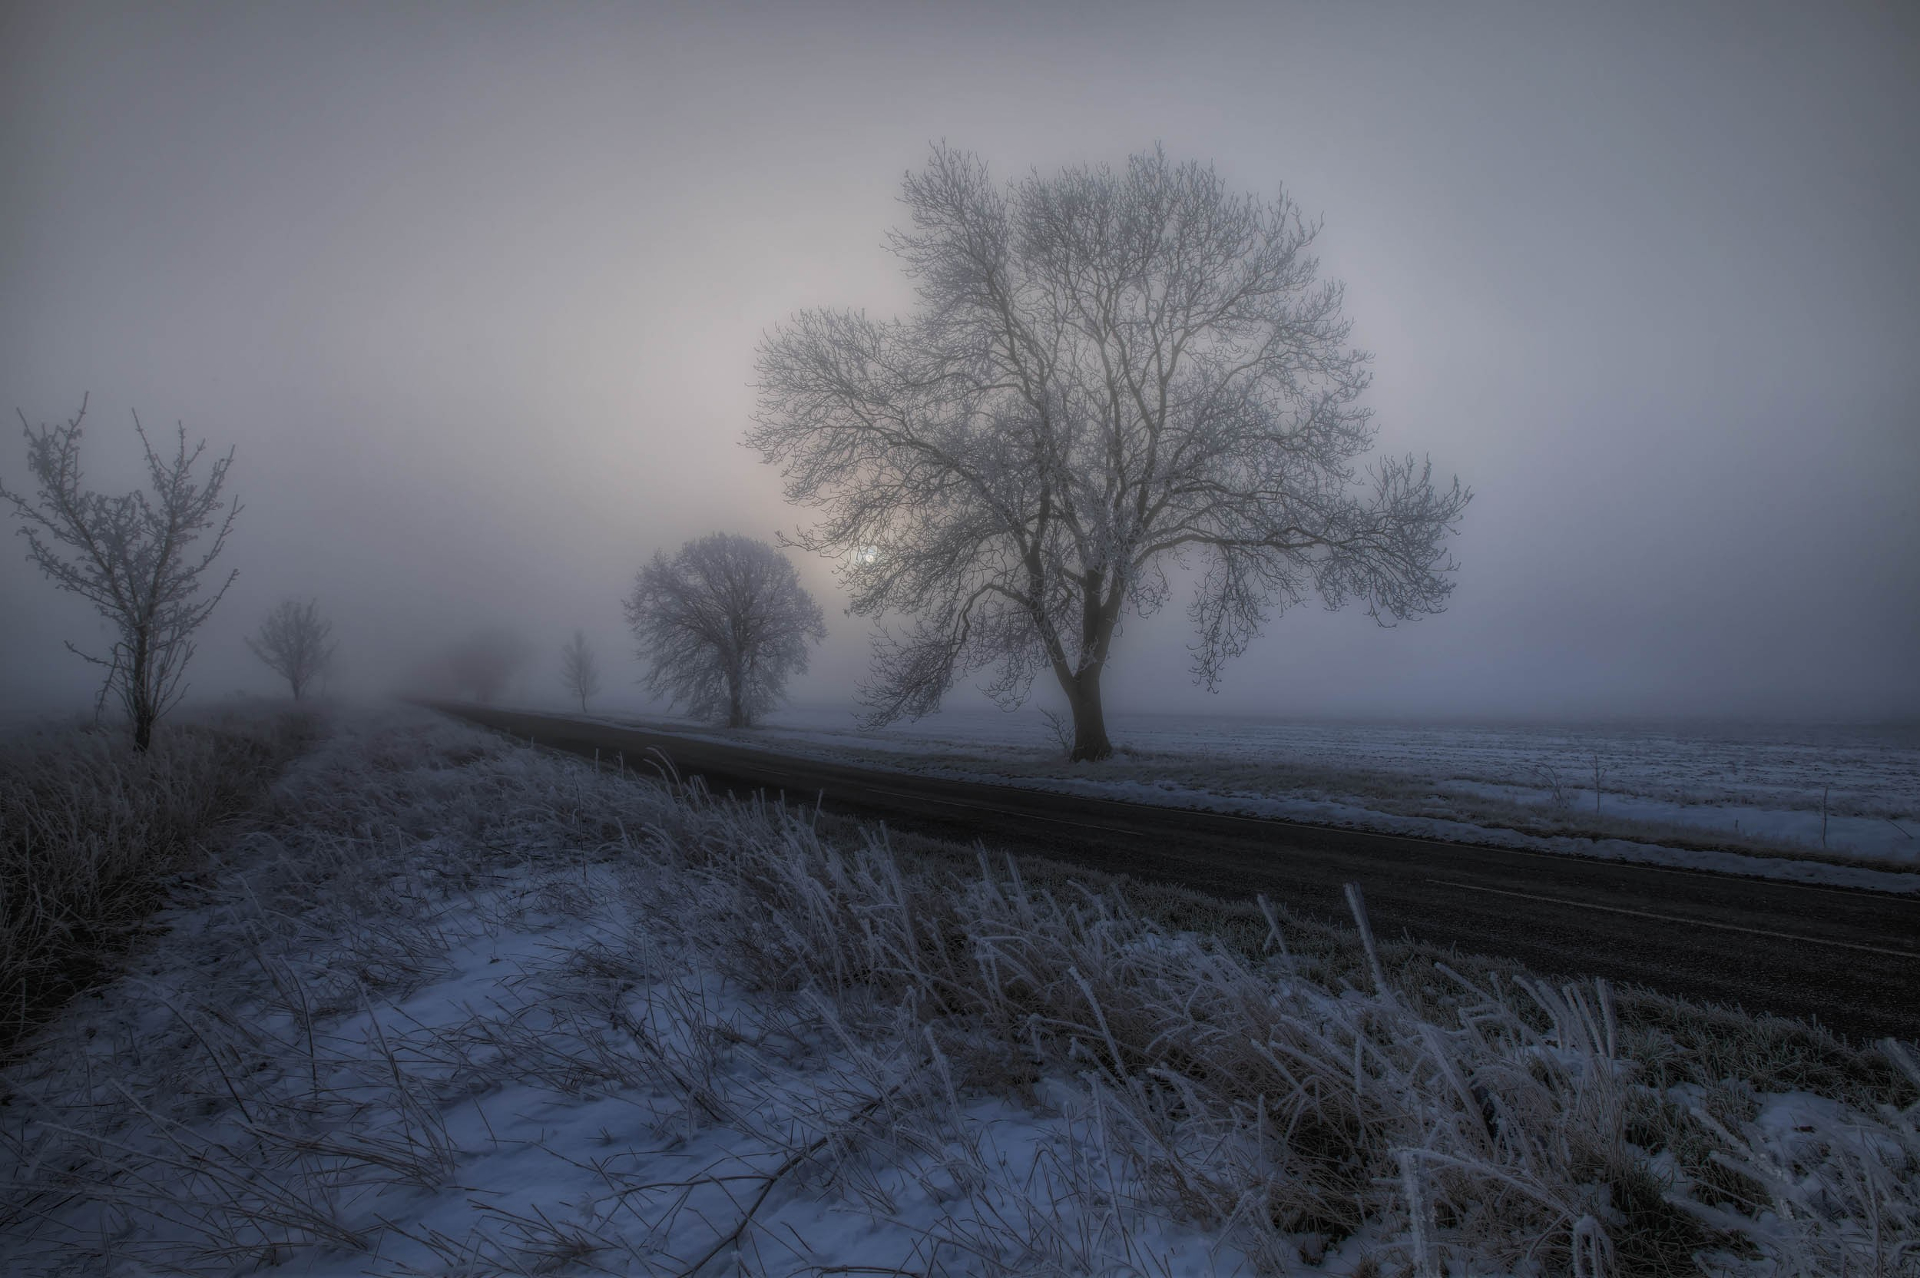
(458, 1007)
(1744, 799)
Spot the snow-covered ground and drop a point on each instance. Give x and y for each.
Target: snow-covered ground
(458, 1007)
(417, 1029)
(1824, 804)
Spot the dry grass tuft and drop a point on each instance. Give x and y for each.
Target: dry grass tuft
(91, 830)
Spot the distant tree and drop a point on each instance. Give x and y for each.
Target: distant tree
(482, 665)
(132, 556)
(579, 669)
(722, 625)
(1112, 374)
(296, 643)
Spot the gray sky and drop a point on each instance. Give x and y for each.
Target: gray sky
(475, 294)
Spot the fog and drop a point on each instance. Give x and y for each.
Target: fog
(475, 297)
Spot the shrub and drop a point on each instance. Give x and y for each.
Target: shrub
(90, 831)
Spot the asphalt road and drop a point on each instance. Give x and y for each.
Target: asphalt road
(1849, 958)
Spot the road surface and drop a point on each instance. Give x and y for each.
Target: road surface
(1847, 957)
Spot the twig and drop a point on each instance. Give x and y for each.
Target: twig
(1358, 905)
(793, 1160)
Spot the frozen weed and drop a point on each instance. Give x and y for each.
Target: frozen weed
(91, 830)
(724, 1029)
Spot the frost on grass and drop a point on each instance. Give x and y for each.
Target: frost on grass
(92, 830)
(462, 1007)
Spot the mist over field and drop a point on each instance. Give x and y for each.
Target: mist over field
(475, 297)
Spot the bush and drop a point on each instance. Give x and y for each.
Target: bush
(91, 830)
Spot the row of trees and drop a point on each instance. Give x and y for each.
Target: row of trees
(1119, 384)
(143, 559)
(1116, 378)
(721, 625)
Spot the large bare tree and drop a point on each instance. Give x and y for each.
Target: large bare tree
(296, 642)
(1112, 373)
(579, 668)
(722, 625)
(137, 557)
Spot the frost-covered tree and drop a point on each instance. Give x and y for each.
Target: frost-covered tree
(722, 625)
(1112, 373)
(296, 642)
(137, 557)
(579, 669)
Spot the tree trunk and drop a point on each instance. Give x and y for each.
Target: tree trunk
(736, 712)
(137, 701)
(1090, 743)
(1097, 616)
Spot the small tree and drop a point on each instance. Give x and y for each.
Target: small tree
(482, 665)
(722, 625)
(579, 669)
(1114, 375)
(296, 643)
(132, 556)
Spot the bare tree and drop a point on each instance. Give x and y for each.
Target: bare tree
(580, 669)
(722, 625)
(132, 556)
(1112, 374)
(296, 643)
(482, 665)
